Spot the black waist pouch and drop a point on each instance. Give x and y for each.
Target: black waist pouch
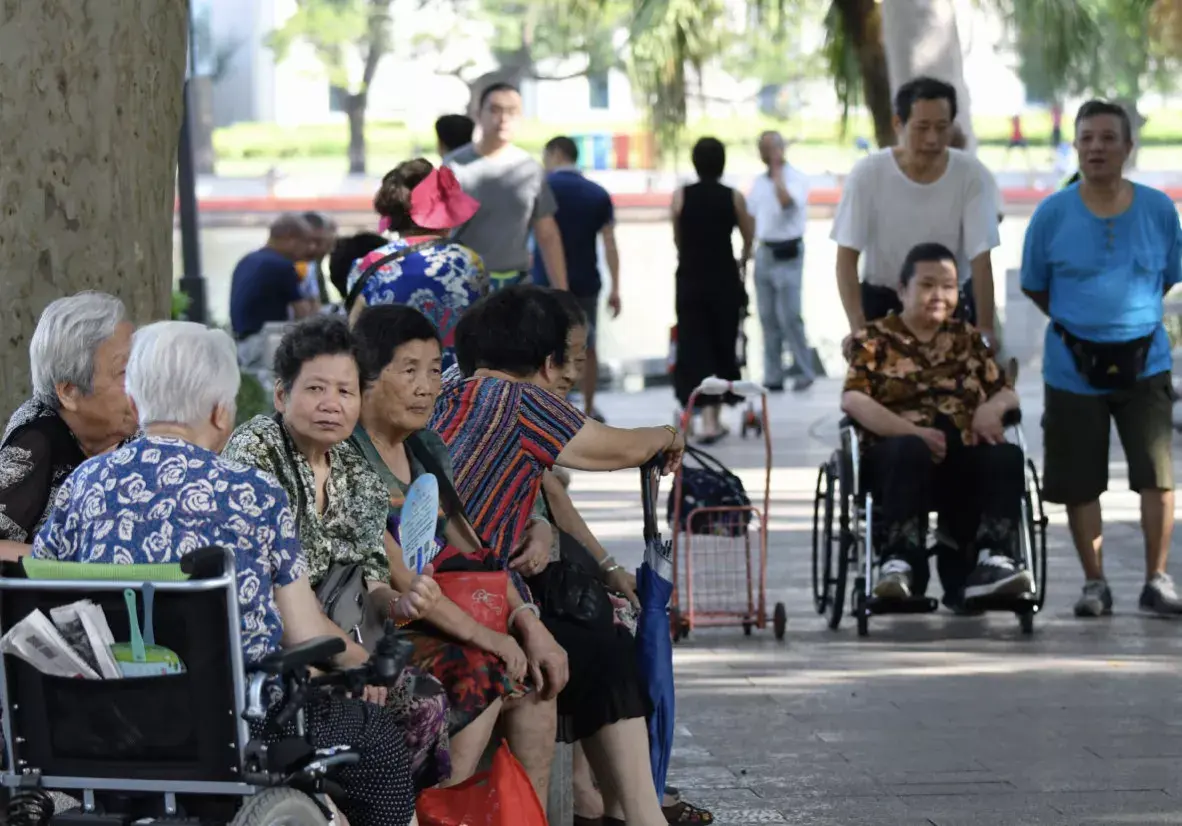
(1114, 365)
(784, 250)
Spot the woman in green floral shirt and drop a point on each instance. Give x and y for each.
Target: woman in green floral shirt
(341, 504)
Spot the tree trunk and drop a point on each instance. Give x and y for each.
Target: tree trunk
(355, 109)
(90, 117)
(862, 20)
(921, 38)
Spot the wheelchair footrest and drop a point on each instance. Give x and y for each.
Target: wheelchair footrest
(906, 605)
(1013, 603)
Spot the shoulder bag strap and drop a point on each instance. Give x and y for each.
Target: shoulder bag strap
(453, 506)
(369, 271)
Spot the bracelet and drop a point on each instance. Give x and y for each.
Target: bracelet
(525, 606)
(607, 560)
(615, 566)
(672, 432)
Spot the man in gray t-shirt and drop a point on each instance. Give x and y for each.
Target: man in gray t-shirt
(513, 193)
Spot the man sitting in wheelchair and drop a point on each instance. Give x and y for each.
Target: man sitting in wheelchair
(930, 399)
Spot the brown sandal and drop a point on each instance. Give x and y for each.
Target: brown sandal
(685, 814)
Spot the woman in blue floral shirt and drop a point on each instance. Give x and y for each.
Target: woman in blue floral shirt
(168, 493)
(420, 267)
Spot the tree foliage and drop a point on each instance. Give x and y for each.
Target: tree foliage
(334, 29)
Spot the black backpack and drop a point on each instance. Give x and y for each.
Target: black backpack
(708, 483)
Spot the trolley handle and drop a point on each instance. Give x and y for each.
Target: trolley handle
(650, 483)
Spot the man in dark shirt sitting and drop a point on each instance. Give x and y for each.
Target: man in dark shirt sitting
(584, 213)
(266, 288)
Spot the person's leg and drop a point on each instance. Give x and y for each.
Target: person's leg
(791, 321)
(766, 302)
(530, 725)
(619, 754)
(995, 518)
(468, 744)
(1075, 473)
(1144, 422)
(899, 470)
(590, 380)
(588, 799)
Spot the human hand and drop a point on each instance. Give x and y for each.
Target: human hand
(547, 660)
(506, 649)
(613, 303)
(987, 425)
(936, 441)
(532, 554)
(376, 694)
(847, 343)
(420, 599)
(674, 453)
(623, 582)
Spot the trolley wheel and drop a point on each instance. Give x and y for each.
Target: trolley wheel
(747, 626)
(780, 621)
(823, 538)
(1026, 622)
(847, 542)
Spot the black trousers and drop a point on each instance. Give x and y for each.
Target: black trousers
(976, 491)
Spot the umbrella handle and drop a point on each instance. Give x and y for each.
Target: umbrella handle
(650, 480)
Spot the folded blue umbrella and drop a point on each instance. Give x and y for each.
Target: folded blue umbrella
(654, 647)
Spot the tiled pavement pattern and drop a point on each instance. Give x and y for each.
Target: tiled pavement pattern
(932, 719)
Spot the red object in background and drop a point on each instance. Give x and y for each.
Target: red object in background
(621, 145)
(502, 796)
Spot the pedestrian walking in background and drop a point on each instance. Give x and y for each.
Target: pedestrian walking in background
(513, 194)
(710, 291)
(1098, 258)
(585, 214)
(453, 132)
(778, 203)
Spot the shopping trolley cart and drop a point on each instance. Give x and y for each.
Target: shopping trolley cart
(720, 552)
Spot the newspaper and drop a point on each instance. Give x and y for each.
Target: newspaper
(84, 626)
(36, 641)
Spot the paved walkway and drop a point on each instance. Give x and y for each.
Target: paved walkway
(932, 719)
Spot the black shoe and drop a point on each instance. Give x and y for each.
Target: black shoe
(996, 575)
(775, 388)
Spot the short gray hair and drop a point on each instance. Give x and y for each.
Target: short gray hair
(68, 333)
(180, 371)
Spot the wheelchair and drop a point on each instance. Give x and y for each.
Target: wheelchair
(843, 530)
(176, 748)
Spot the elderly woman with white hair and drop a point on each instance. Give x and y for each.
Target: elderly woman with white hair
(79, 409)
(168, 492)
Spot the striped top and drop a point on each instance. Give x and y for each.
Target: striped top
(503, 435)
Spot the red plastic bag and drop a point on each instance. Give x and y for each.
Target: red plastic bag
(502, 796)
(482, 595)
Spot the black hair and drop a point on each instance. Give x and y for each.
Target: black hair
(454, 131)
(309, 339)
(380, 330)
(513, 330)
(347, 252)
(492, 89)
(709, 157)
(564, 146)
(922, 253)
(315, 220)
(572, 307)
(924, 88)
(393, 198)
(1096, 107)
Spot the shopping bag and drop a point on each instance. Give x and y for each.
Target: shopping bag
(482, 595)
(502, 796)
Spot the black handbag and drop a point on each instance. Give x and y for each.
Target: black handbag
(1112, 365)
(784, 250)
(570, 588)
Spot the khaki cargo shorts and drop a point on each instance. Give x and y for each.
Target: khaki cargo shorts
(1075, 439)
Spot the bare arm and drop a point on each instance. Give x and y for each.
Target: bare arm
(612, 253)
(848, 287)
(746, 228)
(874, 417)
(304, 619)
(550, 245)
(675, 216)
(782, 193)
(13, 551)
(982, 267)
(567, 517)
(358, 306)
(600, 447)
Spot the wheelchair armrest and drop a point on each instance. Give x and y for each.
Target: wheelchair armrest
(1012, 418)
(306, 655)
(204, 563)
(845, 422)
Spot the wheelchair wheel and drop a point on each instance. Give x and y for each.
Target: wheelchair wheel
(1036, 528)
(823, 538)
(847, 541)
(276, 807)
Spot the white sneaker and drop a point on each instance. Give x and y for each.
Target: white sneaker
(894, 580)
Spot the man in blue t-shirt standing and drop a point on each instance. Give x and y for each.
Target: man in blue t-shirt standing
(266, 287)
(584, 214)
(1099, 256)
